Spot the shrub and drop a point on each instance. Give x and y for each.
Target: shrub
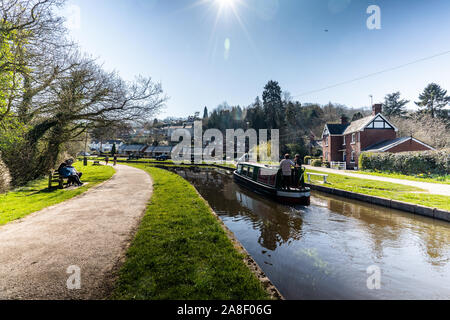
(327, 164)
(408, 163)
(316, 163)
(306, 159)
(5, 177)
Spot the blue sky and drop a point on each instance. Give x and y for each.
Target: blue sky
(182, 43)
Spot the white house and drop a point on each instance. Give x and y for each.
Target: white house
(105, 146)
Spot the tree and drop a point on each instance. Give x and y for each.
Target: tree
(357, 116)
(205, 113)
(273, 106)
(88, 96)
(393, 106)
(35, 52)
(114, 150)
(433, 100)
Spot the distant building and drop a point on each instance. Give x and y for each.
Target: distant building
(132, 149)
(105, 146)
(344, 142)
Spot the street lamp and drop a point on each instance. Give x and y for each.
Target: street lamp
(85, 161)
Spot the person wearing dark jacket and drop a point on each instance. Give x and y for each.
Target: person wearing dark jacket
(298, 168)
(68, 171)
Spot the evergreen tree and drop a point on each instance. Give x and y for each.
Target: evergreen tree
(357, 116)
(113, 150)
(433, 100)
(205, 113)
(273, 105)
(393, 106)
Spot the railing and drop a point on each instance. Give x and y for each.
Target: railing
(338, 165)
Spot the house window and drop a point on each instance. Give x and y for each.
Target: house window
(345, 157)
(353, 138)
(326, 155)
(344, 141)
(326, 142)
(353, 156)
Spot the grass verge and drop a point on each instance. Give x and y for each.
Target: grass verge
(36, 195)
(181, 252)
(437, 180)
(385, 190)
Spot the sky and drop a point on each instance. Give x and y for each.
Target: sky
(210, 51)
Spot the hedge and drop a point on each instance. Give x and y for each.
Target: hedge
(316, 163)
(408, 163)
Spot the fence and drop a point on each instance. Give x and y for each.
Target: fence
(338, 165)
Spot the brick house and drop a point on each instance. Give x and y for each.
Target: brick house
(345, 141)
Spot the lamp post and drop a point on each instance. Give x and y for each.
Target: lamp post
(85, 163)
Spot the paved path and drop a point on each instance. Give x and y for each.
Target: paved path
(434, 188)
(91, 231)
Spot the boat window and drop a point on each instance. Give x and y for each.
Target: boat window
(250, 171)
(239, 170)
(244, 170)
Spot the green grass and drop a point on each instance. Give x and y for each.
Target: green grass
(181, 252)
(36, 196)
(439, 180)
(385, 190)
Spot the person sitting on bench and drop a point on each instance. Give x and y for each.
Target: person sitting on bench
(69, 172)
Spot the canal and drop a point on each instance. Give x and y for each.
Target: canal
(324, 251)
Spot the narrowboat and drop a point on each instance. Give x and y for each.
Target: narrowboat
(266, 180)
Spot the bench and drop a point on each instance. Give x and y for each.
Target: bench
(324, 176)
(56, 177)
(96, 163)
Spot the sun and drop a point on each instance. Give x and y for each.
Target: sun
(226, 3)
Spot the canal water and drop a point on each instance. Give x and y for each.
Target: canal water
(334, 248)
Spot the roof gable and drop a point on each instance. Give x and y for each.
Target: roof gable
(336, 128)
(385, 146)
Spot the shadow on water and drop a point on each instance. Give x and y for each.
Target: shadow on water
(323, 251)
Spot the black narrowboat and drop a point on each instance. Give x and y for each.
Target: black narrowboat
(267, 180)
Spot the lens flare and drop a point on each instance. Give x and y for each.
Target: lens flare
(226, 3)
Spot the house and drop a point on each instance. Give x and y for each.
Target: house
(344, 142)
(133, 149)
(105, 146)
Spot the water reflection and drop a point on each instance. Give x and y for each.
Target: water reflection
(323, 251)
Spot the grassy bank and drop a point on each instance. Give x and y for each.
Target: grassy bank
(36, 196)
(385, 190)
(155, 162)
(181, 251)
(438, 180)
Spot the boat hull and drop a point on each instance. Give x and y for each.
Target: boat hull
(301, 197)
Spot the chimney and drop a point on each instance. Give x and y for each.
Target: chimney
(376, 109)
(344, 120)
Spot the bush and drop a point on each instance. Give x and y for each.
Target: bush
(408, 163)
(306, 159)
(327, 164)
(316, 163)
(5, 177)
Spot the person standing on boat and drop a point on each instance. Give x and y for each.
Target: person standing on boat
(286, 169)
(298, 165)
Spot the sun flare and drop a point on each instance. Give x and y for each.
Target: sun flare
(226, 3)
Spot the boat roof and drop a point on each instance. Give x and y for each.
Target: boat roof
(259, 165)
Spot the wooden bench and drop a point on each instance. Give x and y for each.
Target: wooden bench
(324, 176)
(96, 163)
(57, 178)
